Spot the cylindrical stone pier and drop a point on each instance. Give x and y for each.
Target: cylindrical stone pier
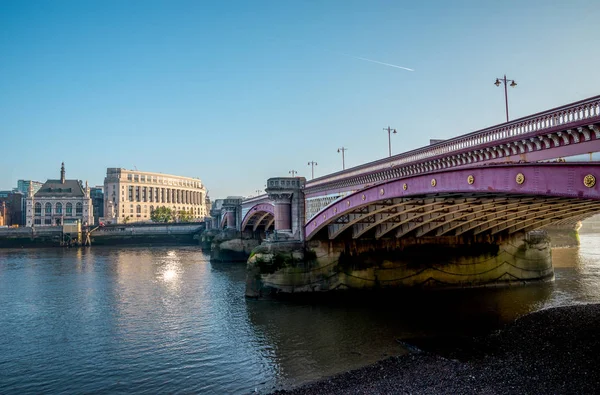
(230, 215)
(283, 216)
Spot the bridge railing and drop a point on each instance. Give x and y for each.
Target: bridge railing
(588, 109)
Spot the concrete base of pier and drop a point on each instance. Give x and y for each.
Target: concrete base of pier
(440, 262)
(230, 245)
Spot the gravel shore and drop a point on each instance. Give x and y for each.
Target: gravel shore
(548, 352)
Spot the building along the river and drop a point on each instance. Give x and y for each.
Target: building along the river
(132, 195)
(59, 201)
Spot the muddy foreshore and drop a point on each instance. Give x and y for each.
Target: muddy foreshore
(551, 351)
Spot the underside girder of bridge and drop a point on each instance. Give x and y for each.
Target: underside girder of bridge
(453, 216)
(487, 200)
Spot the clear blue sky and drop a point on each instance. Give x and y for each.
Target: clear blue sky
(235, 92)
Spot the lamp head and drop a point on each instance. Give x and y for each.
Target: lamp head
(513, 84)
(338, 150)
(395, 131)
(497, 83)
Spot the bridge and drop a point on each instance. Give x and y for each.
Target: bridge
(476, 197)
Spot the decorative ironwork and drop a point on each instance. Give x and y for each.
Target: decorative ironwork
(589, 181)
(382, 192)
(364, 197)
(405, 186)
(433, 182)
(470, 179)
(520, 178)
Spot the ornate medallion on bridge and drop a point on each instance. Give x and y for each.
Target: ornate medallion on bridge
(520, 178)
(405, 186)
(348, 203)
(470, 179)
(381, 192)
(589, 181)
(364, 197)
(433, 182)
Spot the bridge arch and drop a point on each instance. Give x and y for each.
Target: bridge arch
(484, 200)
(262, 214)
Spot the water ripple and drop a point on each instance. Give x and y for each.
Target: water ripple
(163, 319)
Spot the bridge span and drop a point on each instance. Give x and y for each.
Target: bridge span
(468, 198)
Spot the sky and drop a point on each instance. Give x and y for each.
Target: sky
(236, 92)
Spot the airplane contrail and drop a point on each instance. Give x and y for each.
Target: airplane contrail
(378, 62)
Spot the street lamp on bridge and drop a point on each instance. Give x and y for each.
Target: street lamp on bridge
(312, 164)
(343, 150)
(293, 172)
(389, 138)
(512, 85)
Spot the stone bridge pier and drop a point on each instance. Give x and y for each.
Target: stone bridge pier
(441, 262)
(287, 196)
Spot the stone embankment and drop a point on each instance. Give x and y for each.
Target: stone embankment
(554, 351)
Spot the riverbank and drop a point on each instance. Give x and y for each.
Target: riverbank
(551, 351)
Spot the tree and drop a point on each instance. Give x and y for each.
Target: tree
(185, 216)
(162, 214)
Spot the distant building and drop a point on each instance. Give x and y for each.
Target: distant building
(97, 196)
(23, 186)
(11, 208)
(132, 195)
(58, 201)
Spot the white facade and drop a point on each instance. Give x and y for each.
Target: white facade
(132, 195)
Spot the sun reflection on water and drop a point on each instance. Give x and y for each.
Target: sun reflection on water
(170, 268)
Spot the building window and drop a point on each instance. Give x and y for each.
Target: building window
(48, 209)
(47, 221)
(136, 178)
(151, 209)
(138, 209)
(78, 209)
(58, 208)
(129, 177)
(38, 210)
(143, 178)
(38, 221)
(131, 193)
(69, 209)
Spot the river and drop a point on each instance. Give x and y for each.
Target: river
(166, 320)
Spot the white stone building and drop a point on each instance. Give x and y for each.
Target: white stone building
(132, 195)
(58, 202)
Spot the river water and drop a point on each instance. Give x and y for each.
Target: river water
(166, 320)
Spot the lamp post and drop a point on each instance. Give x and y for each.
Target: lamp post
(389, 138)
(293, 172)
(258, 191)
(512, 85)
(312, 164)
(343, 150)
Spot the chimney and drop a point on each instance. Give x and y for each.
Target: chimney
(62, 173)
